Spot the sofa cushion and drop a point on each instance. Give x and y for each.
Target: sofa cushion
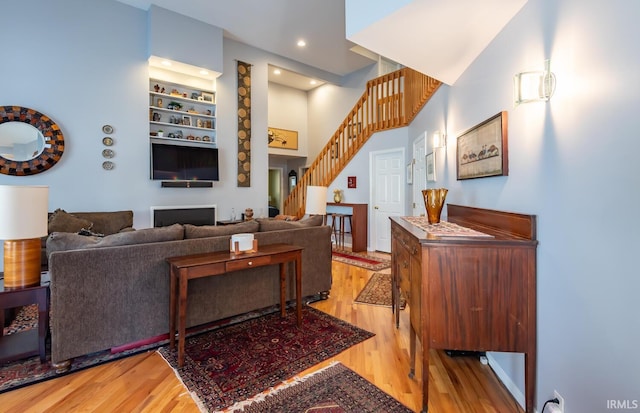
(62, 221)
(62, 241)
(108, 223)
(204, 231)
(276, 224)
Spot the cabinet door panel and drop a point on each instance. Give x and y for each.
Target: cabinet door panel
(476, 302)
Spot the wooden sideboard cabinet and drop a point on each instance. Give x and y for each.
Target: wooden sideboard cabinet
(469, 293)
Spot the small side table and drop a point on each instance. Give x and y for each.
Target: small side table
(31, 342)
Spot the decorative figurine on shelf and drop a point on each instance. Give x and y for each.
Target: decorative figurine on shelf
(162, 90)
(248, 214)
(156, 87)
(337, 195)
(159, 102)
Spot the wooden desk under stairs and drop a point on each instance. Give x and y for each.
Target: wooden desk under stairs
(359, 222)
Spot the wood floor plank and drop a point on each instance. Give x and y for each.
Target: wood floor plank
(146, 383)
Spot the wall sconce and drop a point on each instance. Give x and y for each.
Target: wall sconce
(439, 140)
(534, 86)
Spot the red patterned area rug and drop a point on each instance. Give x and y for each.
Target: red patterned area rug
(378, 291)
(232, 364)
(367, 261)
(21, 373)
(335, 389)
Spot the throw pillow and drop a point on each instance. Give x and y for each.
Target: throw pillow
(63, 241)
(205, 231)
(62, 221)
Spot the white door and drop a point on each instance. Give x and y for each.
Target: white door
(419, 174)
(388, 172)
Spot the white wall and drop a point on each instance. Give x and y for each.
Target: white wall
(288, 110)
(572, 162)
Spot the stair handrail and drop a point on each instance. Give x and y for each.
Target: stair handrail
(390, 101)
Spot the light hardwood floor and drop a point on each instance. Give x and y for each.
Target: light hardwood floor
(145, 383)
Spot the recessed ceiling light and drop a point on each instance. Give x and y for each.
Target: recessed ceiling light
(276, 71)
(313, 82)
(166, 63)
(302, 43)
(204, 72)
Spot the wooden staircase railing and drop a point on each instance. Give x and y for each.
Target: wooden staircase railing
(389, 101)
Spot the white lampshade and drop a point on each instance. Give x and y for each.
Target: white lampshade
(316, 200)
(23, 212)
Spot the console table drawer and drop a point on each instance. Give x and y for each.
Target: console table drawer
(236, 265)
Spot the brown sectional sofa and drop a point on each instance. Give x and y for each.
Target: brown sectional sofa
(114, 290)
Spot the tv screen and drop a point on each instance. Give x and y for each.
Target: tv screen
(170, 162)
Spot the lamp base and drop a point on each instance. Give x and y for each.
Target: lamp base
(22, 263)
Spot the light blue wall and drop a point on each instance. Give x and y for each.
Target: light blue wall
(572, 162)
(89, 68)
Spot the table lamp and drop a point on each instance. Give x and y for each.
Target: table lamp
(316, 202)
(23, 221)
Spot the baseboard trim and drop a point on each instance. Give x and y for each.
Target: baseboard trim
(506, 380)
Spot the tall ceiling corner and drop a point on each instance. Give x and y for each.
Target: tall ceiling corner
(439, 38)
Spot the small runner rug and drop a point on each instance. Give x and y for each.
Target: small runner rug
(234, 363)
(334, 389)
(359, 259)
(378, 291)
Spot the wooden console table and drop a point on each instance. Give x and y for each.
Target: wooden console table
(359, 222)
(469, 293)
(188, 267)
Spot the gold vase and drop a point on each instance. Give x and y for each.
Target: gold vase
(433, 202)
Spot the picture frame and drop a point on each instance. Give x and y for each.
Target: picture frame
(410, 173)
(208, 97)
(482, 151)
(186, 120)
(431, 167)
(282, 138)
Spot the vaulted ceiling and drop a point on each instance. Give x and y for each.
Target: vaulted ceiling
(437, 37)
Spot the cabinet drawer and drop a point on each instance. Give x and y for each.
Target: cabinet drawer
(245, 263)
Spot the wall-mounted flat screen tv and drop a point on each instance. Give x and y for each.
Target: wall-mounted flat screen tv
(171, 162)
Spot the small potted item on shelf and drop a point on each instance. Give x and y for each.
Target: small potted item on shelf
(176, 92)
(173, 105)
(160, 133)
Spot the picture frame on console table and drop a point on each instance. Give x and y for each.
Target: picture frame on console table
(482, 151)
